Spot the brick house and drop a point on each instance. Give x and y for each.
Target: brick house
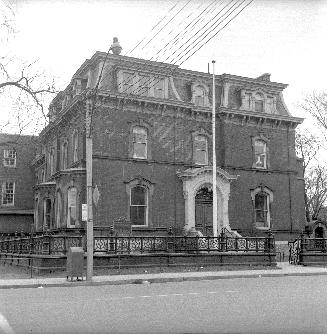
(152, 161)
(16, 177)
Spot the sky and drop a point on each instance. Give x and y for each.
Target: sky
(286, 38)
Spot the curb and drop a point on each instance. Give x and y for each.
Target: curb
(157, 280)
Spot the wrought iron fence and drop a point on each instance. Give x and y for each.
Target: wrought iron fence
(44, 244)
(151, 244)
(59, 244)
(304, 246)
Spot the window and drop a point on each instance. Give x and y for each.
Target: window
(261, 205)
(46, 214)
(260, 154)
(75, 146)
(159, 88)
(259, 102)
(270, 105)
(9, 158)
(138, 205)
(128, 84)
(144, 82)
(64, 155)
(262, 198)
(51, 160)
(58, 209)
(71, 207)
(36, 214)
(200, 150)
(199, 96)
(140, 143)
(8, 193)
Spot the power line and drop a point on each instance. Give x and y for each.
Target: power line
(218, 31)
(153, 28)
(214, 25)
(125, 81)
(176, 58)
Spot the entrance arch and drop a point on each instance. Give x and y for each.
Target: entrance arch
(195, 179)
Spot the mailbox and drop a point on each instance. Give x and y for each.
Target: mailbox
(75, 262)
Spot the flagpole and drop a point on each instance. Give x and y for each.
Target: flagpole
(214, 166)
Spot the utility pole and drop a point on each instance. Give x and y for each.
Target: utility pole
(214, 163)
(91, 99)
(89, 186)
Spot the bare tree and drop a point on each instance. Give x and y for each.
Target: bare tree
(23, 87)
(307, 147)
(315, 104)
(316, 189)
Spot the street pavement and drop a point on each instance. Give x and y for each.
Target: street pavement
(285, 304)
(283, 269)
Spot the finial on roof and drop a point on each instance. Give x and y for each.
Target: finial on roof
(115, 47)
(264, 77)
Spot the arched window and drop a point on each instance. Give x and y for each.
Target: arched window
(199, 96)
(47, 214)
(58, 209)
(140, 142)
(260, 154)
(64, 155)
(51, 160)
(262, 198)
(200, 150)
(261, 205)
(138, 205)
(75, 146)
(36, 214)
(71, 207)
(259, 102)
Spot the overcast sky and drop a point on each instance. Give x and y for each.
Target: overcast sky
(286, 38)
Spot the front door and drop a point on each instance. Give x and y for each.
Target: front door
(203, 211)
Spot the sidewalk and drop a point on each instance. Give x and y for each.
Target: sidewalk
(283, 269)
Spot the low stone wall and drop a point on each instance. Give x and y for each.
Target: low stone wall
(313, 258)
(45, 263)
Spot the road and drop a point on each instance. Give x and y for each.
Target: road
(249, 305)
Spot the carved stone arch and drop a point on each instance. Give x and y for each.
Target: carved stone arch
(195, 178)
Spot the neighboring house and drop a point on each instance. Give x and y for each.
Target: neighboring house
(16, 177)
(152, 143)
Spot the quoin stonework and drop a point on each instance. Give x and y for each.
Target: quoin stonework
(152, 152)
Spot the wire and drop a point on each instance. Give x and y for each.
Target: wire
(161, 20)
(187, 47)
(218, 31)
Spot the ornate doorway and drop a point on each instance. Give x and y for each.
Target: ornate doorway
(203, 211)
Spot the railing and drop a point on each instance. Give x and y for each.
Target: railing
(45, 244)
(306, 246)
(59, 244)
(294, 249)
(149, 244)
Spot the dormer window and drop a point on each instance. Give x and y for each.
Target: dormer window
(259, 102)
(128, 84)
(159, 88)
(200, 94)
(142, 84)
